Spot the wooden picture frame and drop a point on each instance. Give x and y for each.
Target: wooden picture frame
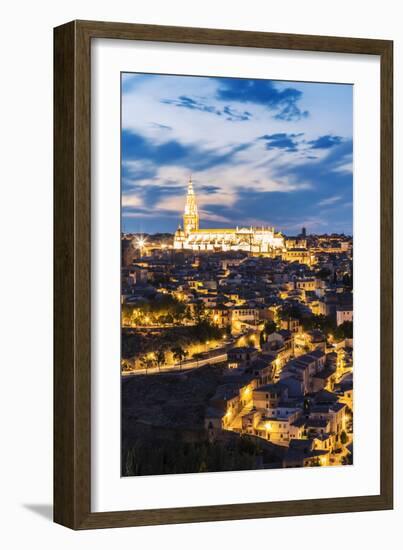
(72, 270)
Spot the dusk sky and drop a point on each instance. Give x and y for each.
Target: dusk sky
(260, 152)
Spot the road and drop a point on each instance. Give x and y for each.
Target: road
(218, 355)
(186, 365)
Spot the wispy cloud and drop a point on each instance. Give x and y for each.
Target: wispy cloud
(325, 142)
(329, 201)
(281, 141)
(284, 102)
(172, 152)
(226, 112)
(275, 166)
(131, 201)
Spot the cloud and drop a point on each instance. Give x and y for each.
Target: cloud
(269, 171)
(311, 182)
(325, 142)
(209, 189)
(281, 141)
(132, 81)
(194, 104)
(161, 126)
(137, 170)
(291, 143)
(189, 103)
(233, 114)
(173, 152)
(131, 201)
(329, 201)
(283, 102)
(263, 92)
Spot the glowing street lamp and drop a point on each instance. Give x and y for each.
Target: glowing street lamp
(141, 242)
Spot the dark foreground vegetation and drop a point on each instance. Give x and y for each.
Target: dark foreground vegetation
(153, 457)
(163, 428)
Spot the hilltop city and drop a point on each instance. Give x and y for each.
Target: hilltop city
(237, 348)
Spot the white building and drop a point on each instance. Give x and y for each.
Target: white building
(259, 240)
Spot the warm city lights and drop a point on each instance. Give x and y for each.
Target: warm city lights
(237, 347)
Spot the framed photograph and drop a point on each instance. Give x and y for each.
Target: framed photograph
(222, 274)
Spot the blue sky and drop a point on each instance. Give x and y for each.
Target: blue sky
(260, 152)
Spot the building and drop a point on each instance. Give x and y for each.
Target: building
(129, 251)
(241, 356)
(269, 395)
(300, 255)
(302, 453)
(344, 314)
(257, 240)
(277, 425)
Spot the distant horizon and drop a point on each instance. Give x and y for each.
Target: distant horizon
(328, 233)
(260, 152)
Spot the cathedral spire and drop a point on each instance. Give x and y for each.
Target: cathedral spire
(191, 214)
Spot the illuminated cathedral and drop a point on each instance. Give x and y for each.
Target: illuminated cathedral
(257, 240)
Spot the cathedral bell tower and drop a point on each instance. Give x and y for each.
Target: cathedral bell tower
(191, 215)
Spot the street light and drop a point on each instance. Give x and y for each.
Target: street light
(141, 241)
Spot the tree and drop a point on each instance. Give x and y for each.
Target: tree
(147, 362)
(320, 322)
(345, 330)
(198, 356)
(290, 310)
(315, 462)
(347, 460)
(270, 327)
(343, 437)
(347, 279)
(179, 354)
(160, 358)
(199, 311)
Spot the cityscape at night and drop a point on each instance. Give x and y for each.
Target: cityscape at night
(236, 275)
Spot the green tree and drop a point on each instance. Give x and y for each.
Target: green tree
(160, 358)
(290, 310)
(199, 312)
(147, 362)
(343, 437)
(345, 330)
(324, 273)
(321, 322)
(270, 327)
(347, 279)
(179, 354)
